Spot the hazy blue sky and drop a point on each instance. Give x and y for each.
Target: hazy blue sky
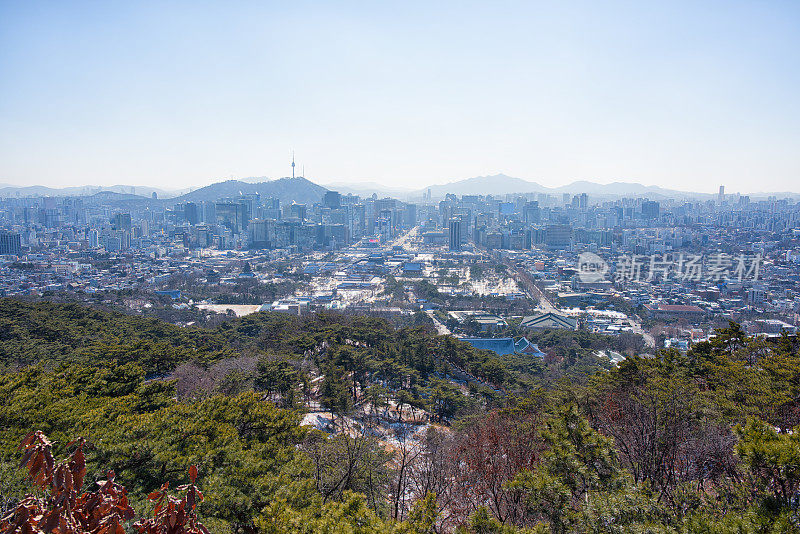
(680, 94)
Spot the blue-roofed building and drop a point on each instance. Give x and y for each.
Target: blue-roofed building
(504, 346)
(500, 345)
(523, 346)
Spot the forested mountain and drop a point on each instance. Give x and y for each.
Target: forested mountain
(288, 190)
(423, 433)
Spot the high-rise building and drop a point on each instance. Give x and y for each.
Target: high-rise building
(558, 235)
(359, 220)
(231, 216)
(209, 212)
(721, 196)
(93, 238)
(385, 223)
(261, 233)
(410, 215)
(332, 199)
(121, 221)
(650, 209)
(10, 243)
(531, 212)
(298, 210)
(191, 213)
(455, 234)
(506, 208)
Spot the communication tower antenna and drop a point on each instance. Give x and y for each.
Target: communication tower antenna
(293, 164)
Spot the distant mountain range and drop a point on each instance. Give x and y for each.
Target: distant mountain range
(288, 190)
(304, 191)
(7, 191)
(501, 184)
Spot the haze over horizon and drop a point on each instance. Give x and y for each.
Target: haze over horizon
(685, 96)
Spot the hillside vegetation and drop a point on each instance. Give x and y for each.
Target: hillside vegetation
(422, 433)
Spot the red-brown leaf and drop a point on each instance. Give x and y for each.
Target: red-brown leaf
(193, 473)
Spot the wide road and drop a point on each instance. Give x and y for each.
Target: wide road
(441, 329)
(649, 340)
(525, 281)
(406, 239)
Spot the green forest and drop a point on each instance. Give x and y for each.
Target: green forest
(421, 433)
